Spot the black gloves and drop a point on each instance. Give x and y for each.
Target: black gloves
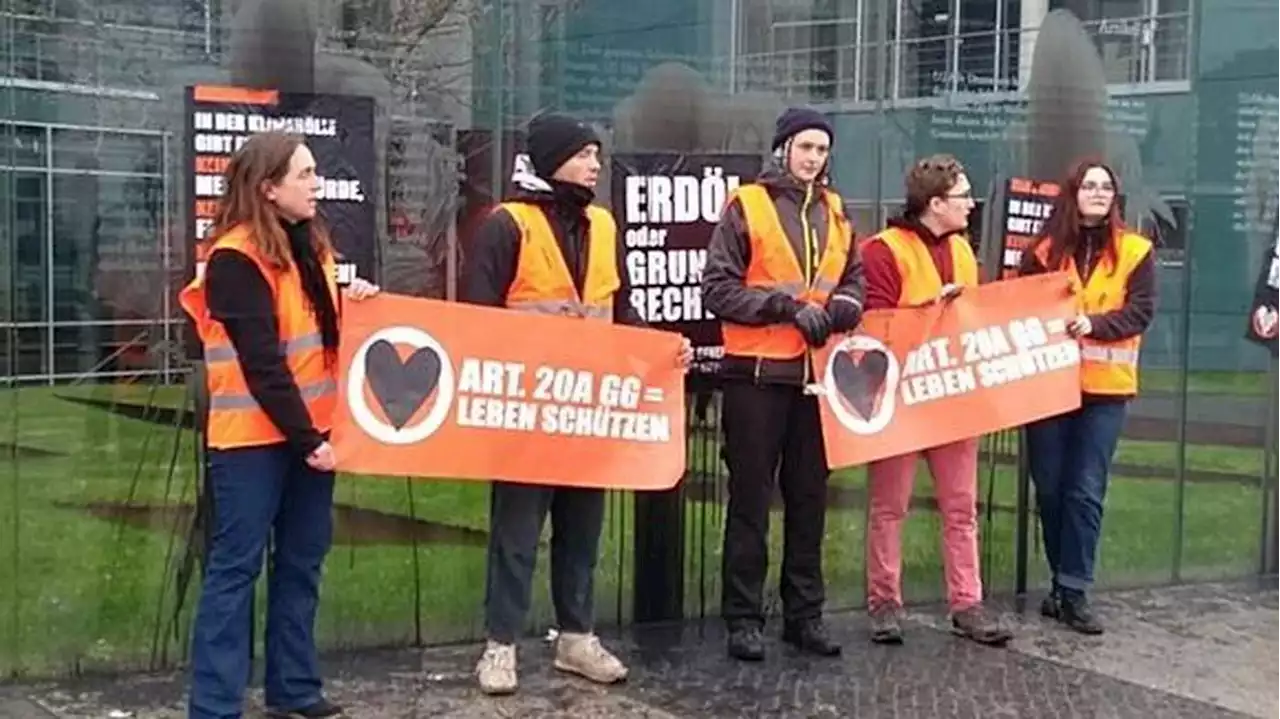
(845, 311)
(782, 308)
(814, 323)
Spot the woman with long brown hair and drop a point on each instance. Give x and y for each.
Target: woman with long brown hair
(266, 308)
(1112, 272)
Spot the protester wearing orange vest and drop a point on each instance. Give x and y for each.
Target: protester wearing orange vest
(1112, 272)
(924, 257)
(549, 249)
(266, 308)
(782, 275)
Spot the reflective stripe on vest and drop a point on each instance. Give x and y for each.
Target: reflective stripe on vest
(235, 417)
(228, 353)
(543, 284)
(774, 265)
(920, 280)
(1108, 368)
(569, 308)
(246, 401)
(1112, 354)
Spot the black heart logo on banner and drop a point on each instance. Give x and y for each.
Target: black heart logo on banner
(861, 381)
(401, 386)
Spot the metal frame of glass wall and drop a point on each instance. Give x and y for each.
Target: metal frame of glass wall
(43, 359)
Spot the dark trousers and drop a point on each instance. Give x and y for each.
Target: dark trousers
(260, 492)
(1070, 457)
(516, 515)
(773, 431)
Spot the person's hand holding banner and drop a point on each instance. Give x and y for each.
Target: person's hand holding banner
(361, 289)
(444, 390)
(1081, 326)
(994, 357)
(685, 360)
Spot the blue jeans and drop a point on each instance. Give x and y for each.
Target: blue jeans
(259, 492)
(1070, 457)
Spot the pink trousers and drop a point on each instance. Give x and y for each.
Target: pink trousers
(955, 481)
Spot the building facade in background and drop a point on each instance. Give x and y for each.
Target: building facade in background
(91, 125)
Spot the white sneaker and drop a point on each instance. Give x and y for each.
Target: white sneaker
(496, 669)
(582, 654)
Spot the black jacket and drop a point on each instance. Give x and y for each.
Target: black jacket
(493, 254)
(240, 298)
(725, 293)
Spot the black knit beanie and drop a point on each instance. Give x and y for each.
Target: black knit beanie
(798, 119)
(554, 138)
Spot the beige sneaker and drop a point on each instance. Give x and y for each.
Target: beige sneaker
(496, 669)
(582, 654)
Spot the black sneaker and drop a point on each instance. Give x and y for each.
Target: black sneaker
(1051, 607)
(746, 643)
(886, 625)
(323, 709)
(810, 635)
(1078, 615)
(981, 626)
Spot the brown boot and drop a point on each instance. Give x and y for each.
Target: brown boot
(981, 626)
(886, 624)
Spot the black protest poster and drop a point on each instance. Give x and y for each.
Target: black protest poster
(1027, 204)
(667, 205)
(339, 131)
(1264, 316)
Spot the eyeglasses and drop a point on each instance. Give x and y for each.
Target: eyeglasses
(966, 195)
(1104, 187)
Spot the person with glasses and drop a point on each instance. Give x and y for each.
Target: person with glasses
(923, 257)
(1112, 271)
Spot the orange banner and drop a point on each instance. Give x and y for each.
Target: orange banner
(997, 356)
(437, 389)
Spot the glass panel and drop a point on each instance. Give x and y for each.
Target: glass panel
(107, 263)
(94, 150)
(29, 217)
(6, 253)
(875, 72)
(1172, 46)
(10, 501)
(6, 355)
(88, 349)
(30, 352)
(928, 36)
(26, 145)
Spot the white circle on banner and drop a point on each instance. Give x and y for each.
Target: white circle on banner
(364, 416)
(851, 419)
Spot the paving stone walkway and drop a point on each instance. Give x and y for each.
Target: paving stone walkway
(1203, 651)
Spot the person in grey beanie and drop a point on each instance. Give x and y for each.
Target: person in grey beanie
(783, 275)
(530, 253)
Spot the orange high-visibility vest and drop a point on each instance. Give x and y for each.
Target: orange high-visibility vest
(235, 418)
(920, 279)
(543, 283)
(774, 266)
(1106, 367)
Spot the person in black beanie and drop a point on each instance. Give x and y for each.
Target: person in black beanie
(512, 262)
(783, 275)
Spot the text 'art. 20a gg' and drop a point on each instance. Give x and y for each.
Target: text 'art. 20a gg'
(441, 390)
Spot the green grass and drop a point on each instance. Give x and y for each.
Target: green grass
(78, 592)
(1252, 384)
